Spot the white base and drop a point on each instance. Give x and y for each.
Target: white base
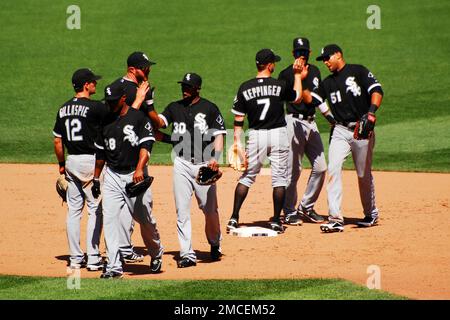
(246, 232)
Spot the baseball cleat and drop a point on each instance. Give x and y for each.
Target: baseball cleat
(111, 275)
(215, 253)
(332, 227)
(310, 215)
(133, 258)
(276, 226)
(367, 222)
(293, 219)
(155, 265)
(186, 262)
(232, 224)
(77, 265)
(95, 266)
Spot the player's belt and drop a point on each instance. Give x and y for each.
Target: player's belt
(349, 125)
(123, 170)
(303, 117)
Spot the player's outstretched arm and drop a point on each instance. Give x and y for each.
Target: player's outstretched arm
(140, 95)
(298, 69)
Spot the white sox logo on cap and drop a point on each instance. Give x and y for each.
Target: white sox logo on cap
(108, 91)
(300, 42)
(188, 77)
(145, 56)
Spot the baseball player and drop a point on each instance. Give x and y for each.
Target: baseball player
(261, 99)
(197, 134)
(138, 69)
(354, 94)
(304, 138)
(125, 144)
(76, 127)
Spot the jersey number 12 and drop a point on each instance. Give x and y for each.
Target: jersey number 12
(72, 128)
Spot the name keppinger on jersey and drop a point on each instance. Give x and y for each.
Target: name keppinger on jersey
(261, 91)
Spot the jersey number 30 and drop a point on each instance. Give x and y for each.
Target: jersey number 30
(72, 128)
(266, 105)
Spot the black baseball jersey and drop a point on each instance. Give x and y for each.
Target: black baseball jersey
(122, 138)
(194, 128)
(130, 89)
(78, 124)
(349, 92)
(262, 100)
(311, 82)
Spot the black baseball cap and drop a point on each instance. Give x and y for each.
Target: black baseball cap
(114, 91)
(328, 51)
(139, 60)
(81, 76)
(300, 43)
(265, 56)
(192, 79)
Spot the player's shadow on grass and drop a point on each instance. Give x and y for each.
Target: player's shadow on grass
(262, 223)
(352, 221)
(202, 256)
(65, 258)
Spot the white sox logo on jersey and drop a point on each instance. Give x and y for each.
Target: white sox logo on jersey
(148, 126)
(316, 82)
(353, 86)
(200, 122)
(130, 135)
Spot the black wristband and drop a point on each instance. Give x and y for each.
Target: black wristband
(330, 119)
(238, 123)
(62, 163)
(373, 108)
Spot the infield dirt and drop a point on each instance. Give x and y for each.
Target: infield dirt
(410, 245)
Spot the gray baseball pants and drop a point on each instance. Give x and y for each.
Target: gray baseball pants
(263, 144)
(79, 174)
(184, 185)
(304, 138)
(117, 203)
(342, 144)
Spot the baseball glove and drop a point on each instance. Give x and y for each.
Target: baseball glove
(237, 158)
(61, 187)
(207, 176)
(364, 127)
(135, 189)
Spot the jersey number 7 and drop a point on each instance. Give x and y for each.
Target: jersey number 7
(266, 103)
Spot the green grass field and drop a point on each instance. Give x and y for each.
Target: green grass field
(14, 287)
(218, 40)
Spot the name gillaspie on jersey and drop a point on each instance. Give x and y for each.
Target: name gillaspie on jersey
(73, 110)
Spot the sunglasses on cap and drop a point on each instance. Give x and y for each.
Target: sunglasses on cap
(301, 53)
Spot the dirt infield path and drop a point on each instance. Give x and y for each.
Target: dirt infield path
(410, 246)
